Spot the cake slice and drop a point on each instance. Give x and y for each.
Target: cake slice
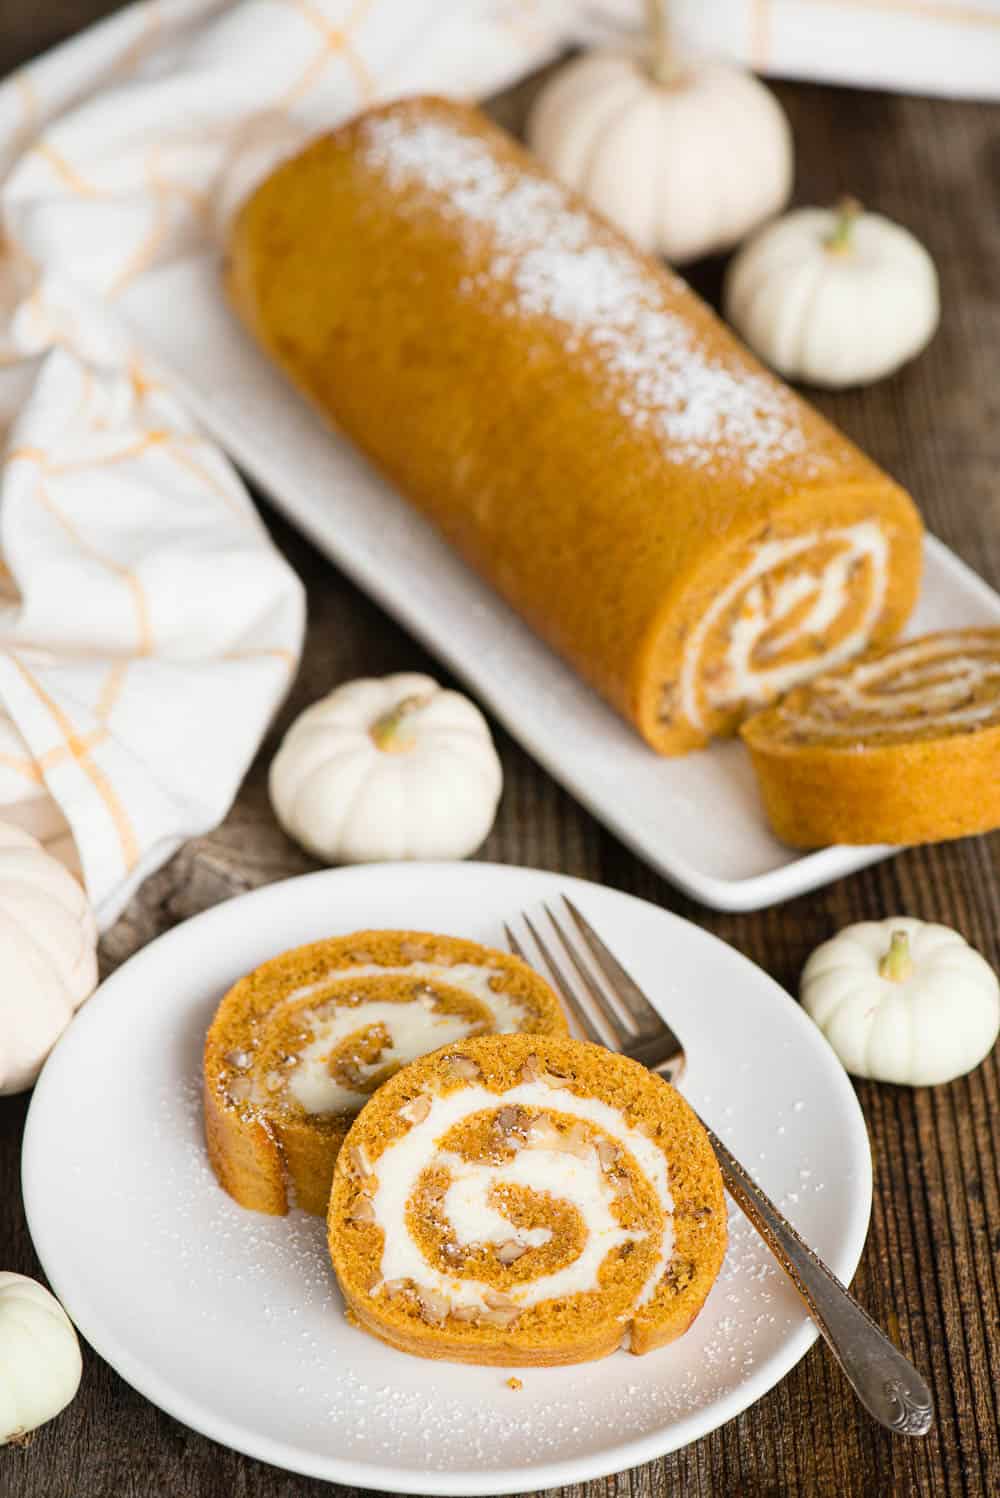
(299, 1045)
(901, 746)
(524, 1199)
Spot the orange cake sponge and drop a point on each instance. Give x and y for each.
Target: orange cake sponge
(689, 534)
(300, 1044)
(519, 1199)
(902, 746)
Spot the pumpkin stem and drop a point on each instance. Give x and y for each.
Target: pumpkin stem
(838, 242)
(393, 731)
(897, 964)
(663, 66)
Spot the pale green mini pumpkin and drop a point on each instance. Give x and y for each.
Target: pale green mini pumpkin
(40, 1362)
(901, 1000)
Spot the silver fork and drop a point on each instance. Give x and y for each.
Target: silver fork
(887, 1384)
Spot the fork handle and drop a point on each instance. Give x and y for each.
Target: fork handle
(888, 1385)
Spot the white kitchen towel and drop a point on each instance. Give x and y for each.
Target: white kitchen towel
(948, 47)
(148, 628)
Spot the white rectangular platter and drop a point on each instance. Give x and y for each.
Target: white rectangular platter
(696, 819)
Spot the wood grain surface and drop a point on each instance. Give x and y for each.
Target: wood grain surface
(930, 1270)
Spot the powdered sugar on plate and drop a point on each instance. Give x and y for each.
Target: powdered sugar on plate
(279, 1269)
(548, 259)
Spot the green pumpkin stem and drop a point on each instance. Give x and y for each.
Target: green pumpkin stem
(393, 731)
(897, 964)
(663, 66)
(838, 242)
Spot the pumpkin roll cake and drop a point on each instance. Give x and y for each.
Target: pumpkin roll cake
(690, 535)
(519, 1199)
(298, 1046)
(902, 746)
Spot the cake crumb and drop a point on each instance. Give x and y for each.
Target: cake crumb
(514, 1383)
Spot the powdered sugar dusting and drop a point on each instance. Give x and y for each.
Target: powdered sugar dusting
(560, 264)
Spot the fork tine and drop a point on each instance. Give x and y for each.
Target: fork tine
(565, 988)
(514, 944)
(622, 1034)
(623, 985)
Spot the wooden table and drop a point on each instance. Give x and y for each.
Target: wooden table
(930, 1271)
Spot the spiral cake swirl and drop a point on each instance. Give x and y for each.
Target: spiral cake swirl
(298, 1046)
(799, 606)
(901, 746)
(525, 1199)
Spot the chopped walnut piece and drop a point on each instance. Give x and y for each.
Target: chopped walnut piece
(375, 1284)
(511, 1251)
(693, 1210)
(464, 1067)
(362, 1210)
(607, 1153)
(499, 1318)
(679, 1273)
(555, 1079)
(359, 1162)
(240, 1060)
(511, 1120)
(416, 1110)
(412, 951)
(498, 1301)
(514, 1383)
(466, 1313)
(543, 1134)
(575, 1141)
(433, 1307)
(240, 1089)
(361, 957)
(273, 1081)
(344, 1071)
(531, 1070)
(395, 1287)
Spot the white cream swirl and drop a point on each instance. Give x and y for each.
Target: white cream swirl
(411, 1027)
(809, 600)
(939, 683)
(474, 1210)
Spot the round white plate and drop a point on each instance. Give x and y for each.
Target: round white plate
(232, 1322)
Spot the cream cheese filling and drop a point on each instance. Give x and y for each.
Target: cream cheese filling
(740, 679)
(414, 1028)
(474, 1217)
(908, 691)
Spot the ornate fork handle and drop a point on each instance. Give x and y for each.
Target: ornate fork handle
(889, 1386)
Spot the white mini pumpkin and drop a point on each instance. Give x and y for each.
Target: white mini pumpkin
(387, 769)
(40, 1362)
(834, 297)
(685, 157)
(903, 1001)
(48, 957)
